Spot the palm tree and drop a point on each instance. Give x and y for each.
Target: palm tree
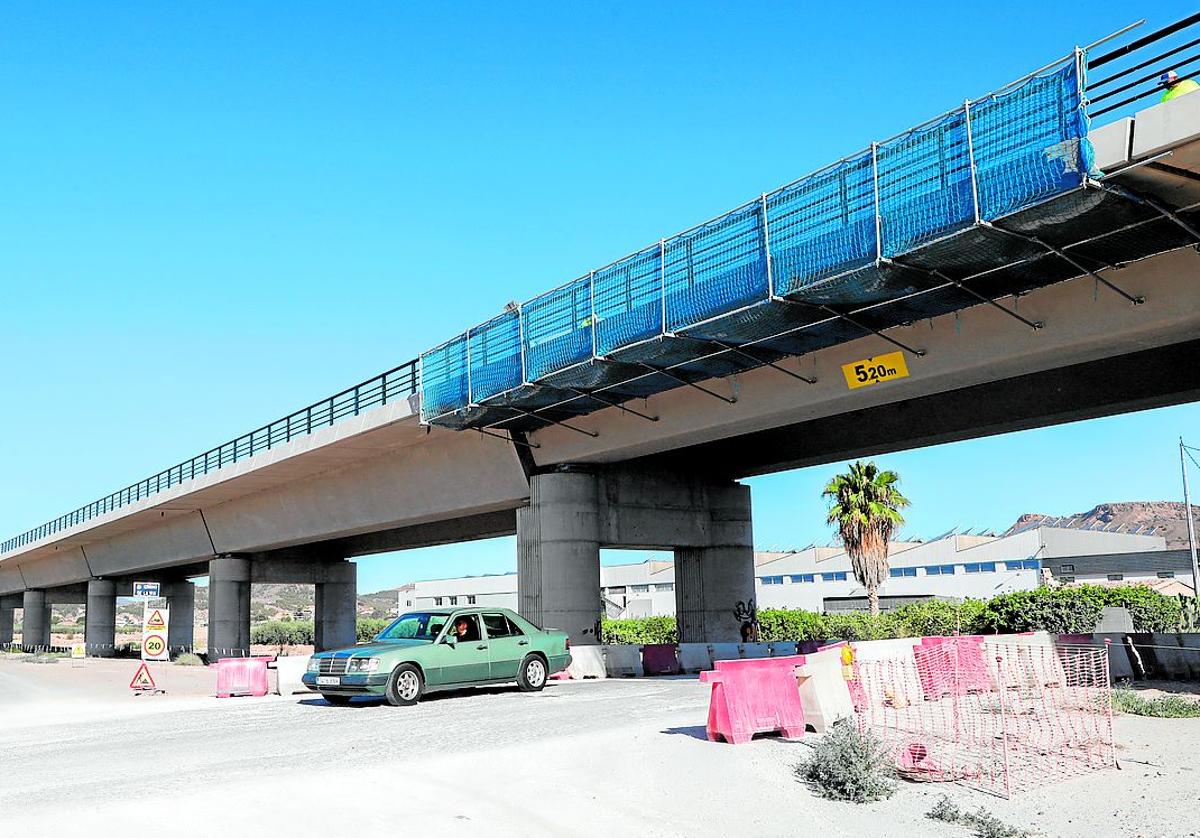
(865, 505)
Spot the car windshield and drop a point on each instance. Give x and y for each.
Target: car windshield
(415, 626)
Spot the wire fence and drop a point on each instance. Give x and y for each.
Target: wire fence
(999, 717)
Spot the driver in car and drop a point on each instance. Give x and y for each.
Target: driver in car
(464, 629)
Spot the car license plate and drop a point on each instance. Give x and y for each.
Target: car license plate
(328, 681)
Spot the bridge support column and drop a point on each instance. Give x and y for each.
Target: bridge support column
(35, 619)
(8, 607)
(710, 581)
(228, 608)
(336, 607)
(100, 618)
(181, 604)
(558, 555)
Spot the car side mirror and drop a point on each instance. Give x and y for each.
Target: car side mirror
(451, 639)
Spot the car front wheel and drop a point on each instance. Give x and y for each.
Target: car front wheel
(405, 686)
(532, 675)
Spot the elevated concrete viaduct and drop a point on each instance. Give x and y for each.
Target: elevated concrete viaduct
(379, 480)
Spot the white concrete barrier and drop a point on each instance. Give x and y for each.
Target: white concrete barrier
(623, 661)
(587, 662)
(725, 651)
(695, 657)
(823, 691)
(289, 669)
(782, 650)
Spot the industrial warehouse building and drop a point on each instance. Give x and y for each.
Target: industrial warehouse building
(953, 566)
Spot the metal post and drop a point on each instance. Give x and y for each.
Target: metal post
(1003, 723)
(1191, 524)
(767, 248)
(662, 281)
(971, 157)
(878, 222)
(592, 300)
(1112, 742)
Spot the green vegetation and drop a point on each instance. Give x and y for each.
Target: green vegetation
(300, 632)
(849, 764)
(1057, 610)
(188, 659)
(984, 823)
(865, 506)
(1163, 707)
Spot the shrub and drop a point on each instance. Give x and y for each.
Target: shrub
(279, 633)
(188, 659)
(1056, 610)
(367, 628)
(985, 824)
(639, 631)
(784, 625)
(849, 764)
(1150, 610)
(1164, 707)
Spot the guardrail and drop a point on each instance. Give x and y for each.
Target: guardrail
(1148, 58)
(398, 382)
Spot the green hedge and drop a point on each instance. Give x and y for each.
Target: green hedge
(1056, 610)
(300, 632)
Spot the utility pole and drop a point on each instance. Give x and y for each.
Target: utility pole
(1191, 525)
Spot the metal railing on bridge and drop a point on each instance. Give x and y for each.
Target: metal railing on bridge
(398, 382)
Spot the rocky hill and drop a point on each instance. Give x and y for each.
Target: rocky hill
(1163, 518)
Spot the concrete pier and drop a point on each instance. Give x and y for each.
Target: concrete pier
(228, 608)
(100, 618)
(574, 512)
(35, 619)
(336, 606)
(181, 605)
(558, 555)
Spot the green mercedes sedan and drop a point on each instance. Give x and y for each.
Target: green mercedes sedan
(438, 649)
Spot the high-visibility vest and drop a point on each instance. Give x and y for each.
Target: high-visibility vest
(1180, 88)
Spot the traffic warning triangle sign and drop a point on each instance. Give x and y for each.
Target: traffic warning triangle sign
(155, 620)
(142, 679)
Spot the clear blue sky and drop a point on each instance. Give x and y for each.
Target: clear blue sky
(215, 213)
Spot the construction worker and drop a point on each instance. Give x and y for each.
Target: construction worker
(1173, 86)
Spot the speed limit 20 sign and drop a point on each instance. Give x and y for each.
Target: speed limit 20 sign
(154, 648)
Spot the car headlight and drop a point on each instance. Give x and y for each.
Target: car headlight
(363, 665)
(314, 664)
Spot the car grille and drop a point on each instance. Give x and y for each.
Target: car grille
(334, 666)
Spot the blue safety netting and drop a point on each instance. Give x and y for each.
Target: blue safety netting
(924, 184)
(715, 269)
(495, 354)
(628, 300)
(1030, 143)
(444, 383)
(558, 329)
(875, 227)
(823, 225)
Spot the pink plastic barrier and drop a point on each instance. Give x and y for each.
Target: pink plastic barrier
(242, 676)
(951, 666)
(756, 695)
(660, 659)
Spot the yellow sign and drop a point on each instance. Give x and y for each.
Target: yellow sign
(156, 621)
(875, 370)
(79, 650)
